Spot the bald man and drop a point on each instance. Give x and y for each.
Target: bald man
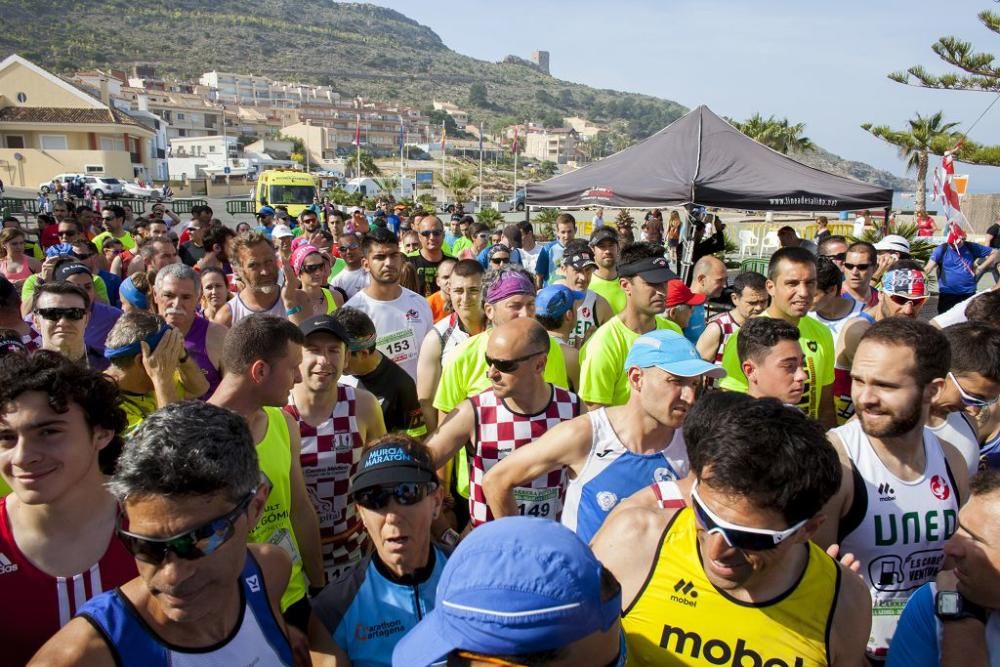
(518, 407)
(709, 279)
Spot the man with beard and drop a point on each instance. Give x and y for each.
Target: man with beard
(177, 292)
(904, 293)
(113, 217)
(901, 487)
(429, 257)
(217, 241)
(335, 423)
(791, 283)
(257, 266)
(604, 281)
(593, 309)
(517, 409)
(726, 573)
(465, 286)
(613, 452)
(402, 318)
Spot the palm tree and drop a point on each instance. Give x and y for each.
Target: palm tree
(777, 134)
(926, 135)
(459, 184)
(368, 166)
(388, 186)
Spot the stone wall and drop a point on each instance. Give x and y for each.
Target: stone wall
(981, 210)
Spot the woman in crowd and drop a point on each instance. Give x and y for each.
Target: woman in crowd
(312, 267)
(214, 291)
(15, 265)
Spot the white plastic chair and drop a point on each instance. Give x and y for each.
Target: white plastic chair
(770, 242)
(748, 241)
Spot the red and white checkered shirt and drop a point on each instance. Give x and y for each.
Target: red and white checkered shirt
(728, 326)
(330, 455)
(32, 340)
(499, 432)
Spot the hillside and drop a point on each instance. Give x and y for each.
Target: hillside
(357, 49)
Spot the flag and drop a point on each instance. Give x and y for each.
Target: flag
(444, 137)
(357, 131)
(936, 188)
(514, 147)
(948, 194)
(402, 133)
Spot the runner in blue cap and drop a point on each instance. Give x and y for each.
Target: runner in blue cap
(520, 591)
(613, 452)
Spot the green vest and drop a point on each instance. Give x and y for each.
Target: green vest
(274, 453)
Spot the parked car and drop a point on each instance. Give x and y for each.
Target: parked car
(517, 202)
(66, 179)
(133, 189)
(104, 186)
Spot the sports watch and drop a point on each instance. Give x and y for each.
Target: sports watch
(952, 606)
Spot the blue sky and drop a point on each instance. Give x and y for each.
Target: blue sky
(823, 64)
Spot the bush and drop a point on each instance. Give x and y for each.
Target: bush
(489, 216)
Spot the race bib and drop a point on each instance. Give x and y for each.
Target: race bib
(283, 539)
(542, 503)
(399, 346)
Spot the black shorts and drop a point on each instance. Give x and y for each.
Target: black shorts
(298, 615)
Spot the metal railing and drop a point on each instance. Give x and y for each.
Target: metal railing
(241, 207)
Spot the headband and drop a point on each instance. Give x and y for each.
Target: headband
(131, 293)
(508, 284)
(135, 348)
(360, 344)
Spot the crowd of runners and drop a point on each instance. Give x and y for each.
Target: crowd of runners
(392, 439)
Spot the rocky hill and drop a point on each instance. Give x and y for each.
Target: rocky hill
(358, 49)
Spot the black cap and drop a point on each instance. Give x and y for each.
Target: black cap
(325, 324)
(11, 344)
(653, 270)
(581, 259)
(392, 463)
(603, 234)
(70, 269)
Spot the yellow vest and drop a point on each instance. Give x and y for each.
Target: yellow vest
(274, 454)
(331, 305)
(680, 618)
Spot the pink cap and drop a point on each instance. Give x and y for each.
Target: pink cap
(299, 256)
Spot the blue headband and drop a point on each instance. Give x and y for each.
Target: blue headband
(135, 348)
(131, 293)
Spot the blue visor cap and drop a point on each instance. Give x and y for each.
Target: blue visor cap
(670, 351)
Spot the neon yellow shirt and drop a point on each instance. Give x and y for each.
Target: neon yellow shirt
(127, 241)
(464, 374)
(602, 361)
(610, 290)
(817, 345)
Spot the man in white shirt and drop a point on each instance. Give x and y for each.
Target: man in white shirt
(354, 277)
(402, 317)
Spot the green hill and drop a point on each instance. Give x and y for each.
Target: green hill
(357, 49)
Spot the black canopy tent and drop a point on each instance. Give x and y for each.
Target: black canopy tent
(700, 159)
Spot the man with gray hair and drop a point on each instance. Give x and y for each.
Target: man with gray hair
(190, 497)
(154, 254)
(177, 292)
(146, 357)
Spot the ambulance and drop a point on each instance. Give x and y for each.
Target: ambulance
(285, 187)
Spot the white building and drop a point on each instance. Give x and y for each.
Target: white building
(200, 157)
(229, 87)
(461, 117)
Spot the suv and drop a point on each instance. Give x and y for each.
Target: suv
(67, 180)
(104, 186)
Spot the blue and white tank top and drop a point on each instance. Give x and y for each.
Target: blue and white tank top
(256, 639)
(612, 473)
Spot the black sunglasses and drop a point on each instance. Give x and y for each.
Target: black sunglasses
(192, 545)
(346, 248)
(500, 260)
(312, 268)
(510, 365)
(839, 257)
(405, 493)
(83, 255)
(859, 267)
(67, 233)
(431, 232)
(56, 314)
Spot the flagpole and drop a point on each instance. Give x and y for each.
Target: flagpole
(357, 140)
(480, 166)
(514, 148)
(444, 152)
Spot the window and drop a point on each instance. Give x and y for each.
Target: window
(53, 142)
(180, 116)
(211, 149)
(112, 144)
(14, 141)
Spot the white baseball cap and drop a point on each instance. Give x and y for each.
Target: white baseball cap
(281, 232)
(895, 243)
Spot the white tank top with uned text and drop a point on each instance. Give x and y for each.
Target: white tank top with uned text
(586, 318)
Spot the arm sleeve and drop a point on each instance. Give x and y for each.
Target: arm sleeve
(915, 643)
(938, 253)
(982, 250)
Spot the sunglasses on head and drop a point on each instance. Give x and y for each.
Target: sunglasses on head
(431, 232)
(859, 267)
(510, 365)
(405, 493)
(191, 545)
(313, 268)
(56, 314)
(900, 300)
(839, 257)
(970, 401)
(736, 536)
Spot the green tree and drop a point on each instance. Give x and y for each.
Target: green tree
(477, 95)
(775, 133)
(459, 184)
(925, 135)
(388, 185)
(368, 166)
(547, 169)
(489, 216)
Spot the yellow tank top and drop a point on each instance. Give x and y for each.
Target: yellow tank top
(331, 305)
(274, 454)
(680, 618)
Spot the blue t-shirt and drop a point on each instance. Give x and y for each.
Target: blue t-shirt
(957, 274)
(696, 324)
(549, 259)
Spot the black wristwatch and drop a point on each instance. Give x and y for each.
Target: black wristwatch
(952, 606)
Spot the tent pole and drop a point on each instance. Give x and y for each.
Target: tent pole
(687, 252)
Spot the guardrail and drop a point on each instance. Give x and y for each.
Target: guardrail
(137, 205)
(185, 205)
(13, 205)
(241, 207)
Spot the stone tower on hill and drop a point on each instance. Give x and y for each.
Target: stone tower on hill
(541, 59)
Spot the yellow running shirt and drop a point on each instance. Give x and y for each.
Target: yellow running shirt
(464, 373)
(817, 345)
(274, 453)
(610, 290)
(602, 361)
(680, 618)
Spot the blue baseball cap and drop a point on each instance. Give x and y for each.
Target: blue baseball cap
(555, 300)
(670, 351)
(515, 585)
(265, 210)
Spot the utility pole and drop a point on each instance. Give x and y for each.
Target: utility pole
(308, 128)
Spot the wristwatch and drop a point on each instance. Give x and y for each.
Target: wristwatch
(952, 606)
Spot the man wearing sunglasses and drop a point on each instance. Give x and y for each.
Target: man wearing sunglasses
(611, 453)
(430, 255)
(353, 277)
(859, 267)
(113, 219)
(398, 496)
(518, 408)
(58, 437)
(60, 315)
(834, 248)
(729, 575)
(972, 386)
(904, 294)
(901, 487)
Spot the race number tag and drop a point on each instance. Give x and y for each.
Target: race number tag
(399, 346)
(543, 503)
